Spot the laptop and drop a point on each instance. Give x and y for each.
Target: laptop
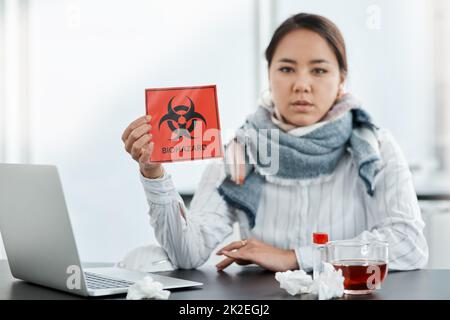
(39, 240)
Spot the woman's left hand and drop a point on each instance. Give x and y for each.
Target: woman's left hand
(260, 253)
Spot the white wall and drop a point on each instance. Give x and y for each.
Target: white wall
(436, 215)
(91, 61)
(390, 54)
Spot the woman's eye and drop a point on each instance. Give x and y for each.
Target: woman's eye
(286, 69)
(319, 71)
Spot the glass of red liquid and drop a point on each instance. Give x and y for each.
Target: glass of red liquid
(364, 264)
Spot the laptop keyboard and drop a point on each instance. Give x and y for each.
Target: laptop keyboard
(95, 281)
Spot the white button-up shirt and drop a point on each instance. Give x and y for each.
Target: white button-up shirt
(337, 204)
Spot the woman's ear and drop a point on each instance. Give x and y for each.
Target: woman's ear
(341, 90)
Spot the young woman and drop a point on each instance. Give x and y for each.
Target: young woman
(338, 173)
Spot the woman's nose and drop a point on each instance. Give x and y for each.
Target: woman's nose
(302, 84)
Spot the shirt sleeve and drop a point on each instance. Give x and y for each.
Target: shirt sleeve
(189, 240)
(393, 212)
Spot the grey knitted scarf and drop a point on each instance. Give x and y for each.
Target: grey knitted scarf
(311, 155)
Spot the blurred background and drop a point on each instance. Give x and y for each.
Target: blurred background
(73, 74)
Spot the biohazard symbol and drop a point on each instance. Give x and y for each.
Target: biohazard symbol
(181, 119)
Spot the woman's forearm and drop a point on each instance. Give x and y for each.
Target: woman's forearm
(188, 242)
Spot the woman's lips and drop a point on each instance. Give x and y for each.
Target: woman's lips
(302, 107)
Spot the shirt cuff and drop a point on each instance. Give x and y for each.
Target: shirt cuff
(160, 190)
(304, 258)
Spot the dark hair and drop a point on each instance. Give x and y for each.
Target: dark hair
(322, 26)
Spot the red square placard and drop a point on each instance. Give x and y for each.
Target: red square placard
(185, 123)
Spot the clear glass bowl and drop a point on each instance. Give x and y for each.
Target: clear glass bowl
(364, 264)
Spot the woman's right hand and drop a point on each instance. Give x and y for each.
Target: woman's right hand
(138, 143)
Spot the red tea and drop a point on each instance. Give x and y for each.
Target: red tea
(361, 275)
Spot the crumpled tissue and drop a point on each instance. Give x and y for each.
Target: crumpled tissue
(295, 282)
(329, 284)
(151, 258)
(147, 288)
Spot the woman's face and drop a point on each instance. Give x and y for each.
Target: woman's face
(304, 77)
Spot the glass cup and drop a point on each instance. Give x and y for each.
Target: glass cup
(364, 264)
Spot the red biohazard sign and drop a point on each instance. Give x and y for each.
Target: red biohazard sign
(185, 123)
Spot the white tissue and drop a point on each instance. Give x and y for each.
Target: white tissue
(147, 289)
(295, 282)
(329, 284)
(151, 258)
